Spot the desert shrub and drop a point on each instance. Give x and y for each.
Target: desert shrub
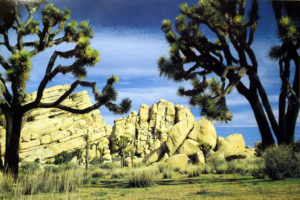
(70, 180)
(258, 149)
(63, 157)
(109, 166)
(97, 173)
(162, 167)
(193, 171)
(140, 164)
(208, 168)
(167, 173)
(220, 166)
(281, 162)
(142, 177)
(205, 148)
(120, 172)
(29, 167)
(67, 166)
(6, 184)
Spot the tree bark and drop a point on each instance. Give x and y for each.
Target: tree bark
(87, 154)
(261, 119)
(13, 132)
(1, 162)
(294, 103)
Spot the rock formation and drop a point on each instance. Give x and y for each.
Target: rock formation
(48, 132)
(165, 131)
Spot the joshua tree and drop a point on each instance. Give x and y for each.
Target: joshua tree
(123, 147)
(286, 54)
(205, 148)
(101, 152)
(87, 146)
(229, 58)
(54, 30)
(1, 162)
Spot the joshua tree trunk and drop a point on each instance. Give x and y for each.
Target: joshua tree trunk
(87, 155)
(260, 116)
(13, 131)
(1, 163)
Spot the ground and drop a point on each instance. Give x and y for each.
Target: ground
(209, 186)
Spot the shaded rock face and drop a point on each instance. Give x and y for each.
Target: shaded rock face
(48, 132)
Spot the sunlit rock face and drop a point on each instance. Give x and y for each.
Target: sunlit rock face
(163, 130)
(158, 133)
(48, 132)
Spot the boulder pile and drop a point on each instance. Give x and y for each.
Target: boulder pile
(48, 132)
(170, 133)
(160, 133)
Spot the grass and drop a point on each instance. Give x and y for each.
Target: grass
(212, 186)
(149, 183)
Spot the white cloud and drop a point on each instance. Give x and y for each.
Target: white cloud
(128, 54)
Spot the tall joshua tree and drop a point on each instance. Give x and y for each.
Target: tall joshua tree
(229, 58)
(54, 30)
(286, 54)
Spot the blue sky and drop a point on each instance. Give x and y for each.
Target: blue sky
(129, 39)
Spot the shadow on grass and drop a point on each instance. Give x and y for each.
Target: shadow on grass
(201, 180)
(123, 183)
(213, 194)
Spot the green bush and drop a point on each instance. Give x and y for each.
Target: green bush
(205, 148)
(38, 181)
(109, 166)
(281, 162)
(120, 173)
(63, 157)
(168, 174)
(208, 168)
(246, 166)
(141, 178)
(29, 167)
(97, 173)
(220, 166)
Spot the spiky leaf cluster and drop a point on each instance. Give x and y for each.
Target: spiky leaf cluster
(122, 144)
(208, 96)
(193, 56)
(56, 28)
(20, 68)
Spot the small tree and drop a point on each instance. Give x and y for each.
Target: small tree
(101, 154)
(205, 148)
(123, 147)
(54, 30)
(132, 154)
(87, 145)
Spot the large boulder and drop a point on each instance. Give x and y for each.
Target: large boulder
(154, 156)
(183, 113)
(204, 131)
(233, 145)
(189, 147)
(178, 161)
(178, 134)
(144, 113)
(199, 158)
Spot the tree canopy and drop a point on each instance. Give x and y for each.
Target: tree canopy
(227, 56)
(54, 29)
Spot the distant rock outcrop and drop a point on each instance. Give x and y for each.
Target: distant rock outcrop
(164, 133)
(48, 132)
(165, 130)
